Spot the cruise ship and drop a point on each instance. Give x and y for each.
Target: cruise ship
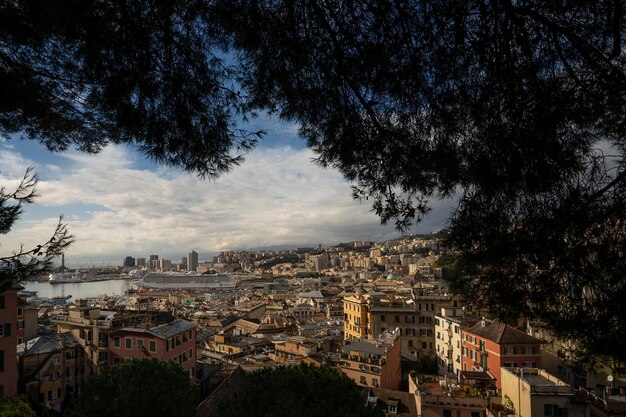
(189, 282)
(65, 277)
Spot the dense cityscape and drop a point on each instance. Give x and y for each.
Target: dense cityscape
(378, 312)
(463, 163)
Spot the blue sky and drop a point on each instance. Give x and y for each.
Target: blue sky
(118, 203)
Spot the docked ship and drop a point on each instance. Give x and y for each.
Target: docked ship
(189, 282)
(65, 277)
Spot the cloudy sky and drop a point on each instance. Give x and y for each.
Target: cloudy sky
(118, 204)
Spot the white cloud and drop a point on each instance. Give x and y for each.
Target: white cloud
(277, 197)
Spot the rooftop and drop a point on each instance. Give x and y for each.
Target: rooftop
(173, 328)
(502, 334)
(375, 348)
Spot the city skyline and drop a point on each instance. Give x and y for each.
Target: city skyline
(118, 204)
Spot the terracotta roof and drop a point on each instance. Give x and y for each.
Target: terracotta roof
(502, 334)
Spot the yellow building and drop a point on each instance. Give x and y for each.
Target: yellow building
(366, 317)
(534, 392)
(355, 311)
(50, 368)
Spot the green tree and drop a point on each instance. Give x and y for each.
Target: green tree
(137, 388)
(15, 406)
(301, 391)
(27, 262)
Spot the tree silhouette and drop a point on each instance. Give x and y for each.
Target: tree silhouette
(297, 391)
(27, 262)
(138, 388)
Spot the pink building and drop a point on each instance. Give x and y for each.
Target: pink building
(489, 346)
(175, 341)
(373, 363)
(8, 341)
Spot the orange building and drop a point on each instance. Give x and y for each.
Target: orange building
(373, 363)
(8, 341)
(489, 346)
(171, 341)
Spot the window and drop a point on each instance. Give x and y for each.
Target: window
(20, 324)
(129, 343)
(397, 319)
(529, 350)
(116, 342)
(190, 353)
(139, 344)
(475, 413)
(362, 380)
(553, 410)
(1, 360)
(5, 330)
(152, 346)
(509, 364)
(1, 301)
(447, 413)
(392, 408)
(20, 311)
(530, 365)
(410, 341)
(382, 317)
(409, 332)
(375, 382)
(410, 319)
(509, 350)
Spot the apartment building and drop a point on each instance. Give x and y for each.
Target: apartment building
(51, 367)
(175, 341)
(92, 326)
(534, 392)
(373, 363)
(488, 346)
(8, 341)
(448, 325)
(355, 309)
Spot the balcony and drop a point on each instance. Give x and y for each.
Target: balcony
(364, 360)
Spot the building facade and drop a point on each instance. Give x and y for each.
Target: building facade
(8, 341)
(373, 363)
(490, 346)
(92, 327)
(448, 325)
(174, 341)
(192, 261)
(51, 368)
